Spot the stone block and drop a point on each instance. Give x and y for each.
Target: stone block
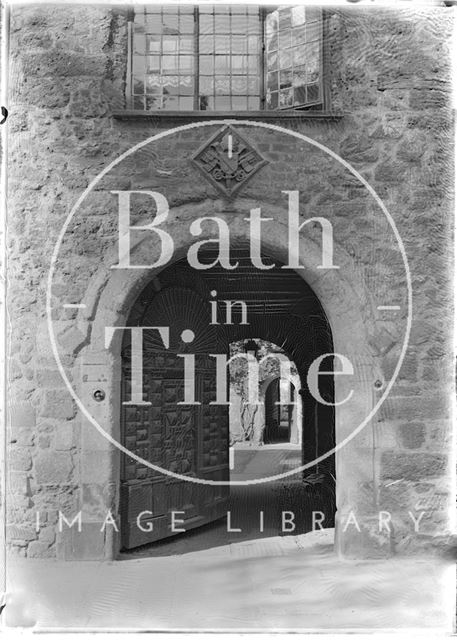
(62, 63)
(15, 370)
(20, 532)
(42, 342)
(97, 467)
(421, 331)
(97, 499)
(412, 434)
(71, 340)
(408, 466)
(38, 549)
(390, 172)
(49, 378)
(64, 436)
(31, 39)
(366, 543)
(44, 441)
(53, 467)
(359, 148)
(57, 403)
(427, 98)
(382, 342)
(47, 535)
(18, 483)
(397, 496)
(21, 416)
(91, 438)
(88, 544)
(424, 407)
(439, 436)
(23, 437)
(19, 459)
(408, 371)
(47, 94)
(410, 150)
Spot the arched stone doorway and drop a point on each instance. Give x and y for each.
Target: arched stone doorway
(193, 439)
(108, 303)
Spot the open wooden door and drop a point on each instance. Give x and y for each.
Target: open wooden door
(189, 440)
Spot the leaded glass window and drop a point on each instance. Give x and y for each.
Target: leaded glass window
(163, 58)
(293, 40)
(229, 48)
(225, 58)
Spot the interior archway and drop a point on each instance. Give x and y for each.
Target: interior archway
(278, 417)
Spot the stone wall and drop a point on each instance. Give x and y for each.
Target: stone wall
(388, 77)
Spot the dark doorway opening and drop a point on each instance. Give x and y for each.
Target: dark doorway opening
(194, 441)
(278, 417)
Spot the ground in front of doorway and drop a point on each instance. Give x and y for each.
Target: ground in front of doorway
(278, 583)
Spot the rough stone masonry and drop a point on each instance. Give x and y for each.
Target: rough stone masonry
(389, 94)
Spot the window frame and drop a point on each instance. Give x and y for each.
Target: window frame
(317, 107)
(305, 107)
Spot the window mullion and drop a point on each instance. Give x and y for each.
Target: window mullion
(196, 59)
(262, 56)
(322, 79)
(129, 76)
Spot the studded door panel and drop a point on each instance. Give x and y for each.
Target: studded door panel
(189, 440)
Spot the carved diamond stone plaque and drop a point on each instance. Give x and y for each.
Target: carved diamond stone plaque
(228, 161)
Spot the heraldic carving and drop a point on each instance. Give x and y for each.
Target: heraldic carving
(228, 161)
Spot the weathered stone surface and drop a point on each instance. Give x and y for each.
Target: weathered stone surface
(64, 437)
(421, 332)
(97, 499)
(428, 98)
(49, 378)
(389, 172)
(408, 370)
(38, 549)
(60, 63)
(20, 459)
(22, 416)
(72, 340)
(53, 467)
(408, 466)
(410, 150)
(44, 441)
(96, 467)
(359, 148)
(20, 532)
(425, 407)
(58, 404)
(47, 94)
(17, 482)
(47, 535)
(412, 434)
(18, 550)
(87, 545)
(42, 342)
(382, 342)
(23, 437)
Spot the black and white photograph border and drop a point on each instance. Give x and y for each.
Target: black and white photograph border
(228, 326)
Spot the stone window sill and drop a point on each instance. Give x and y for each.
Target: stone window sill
(132, 114)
